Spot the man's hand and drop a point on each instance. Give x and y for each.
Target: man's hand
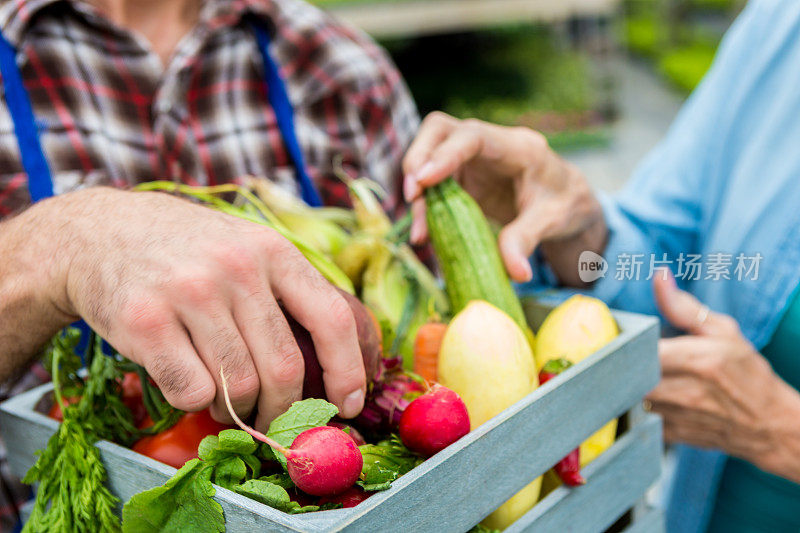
(717, 391)
(184, 290)
(518, 181)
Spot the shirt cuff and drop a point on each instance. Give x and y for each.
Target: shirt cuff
(626, 243)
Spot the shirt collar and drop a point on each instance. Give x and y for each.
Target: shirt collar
(16, 15)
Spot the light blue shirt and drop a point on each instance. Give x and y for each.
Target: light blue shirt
(725, 180)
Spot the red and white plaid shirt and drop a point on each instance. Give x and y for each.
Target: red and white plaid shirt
(109, 112)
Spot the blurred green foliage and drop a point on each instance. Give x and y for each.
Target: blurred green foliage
(679, 36)
(511, 76)
(685, 66)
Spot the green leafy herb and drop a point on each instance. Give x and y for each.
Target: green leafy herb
(226, 458)
(72, 494)
(184, 503)
(302, 415)
(71, 477)
(384, 462)
(282, 480)
(273, 495)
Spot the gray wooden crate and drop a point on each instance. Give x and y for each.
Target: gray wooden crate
(459, 486)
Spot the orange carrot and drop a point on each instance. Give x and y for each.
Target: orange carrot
(426, 349)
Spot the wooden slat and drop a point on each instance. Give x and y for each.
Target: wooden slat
(651, 521)
(614, 482)
(421, 17)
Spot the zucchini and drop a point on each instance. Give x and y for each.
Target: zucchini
(468, 253)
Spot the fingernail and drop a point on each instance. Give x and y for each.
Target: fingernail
(353, 404)
(417, 231)
(410, 187)
(424, 172)
(526, 269)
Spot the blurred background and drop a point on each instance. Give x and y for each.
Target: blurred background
(602, 79)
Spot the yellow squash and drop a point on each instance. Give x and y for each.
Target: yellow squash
(486, 358)
(574, 330)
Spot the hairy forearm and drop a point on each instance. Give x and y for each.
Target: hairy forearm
(32, 290)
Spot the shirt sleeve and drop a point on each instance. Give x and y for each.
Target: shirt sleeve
(389, 122)
(663, 211)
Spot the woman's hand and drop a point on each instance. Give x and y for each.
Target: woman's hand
(518, 181)
(717, 391)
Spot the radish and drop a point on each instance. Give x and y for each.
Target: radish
(322, 461)
(357, 437)
(434, 421)
(349, 498)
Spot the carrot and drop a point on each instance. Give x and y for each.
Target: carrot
(426, 349)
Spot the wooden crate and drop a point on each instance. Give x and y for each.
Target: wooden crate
(459, 486)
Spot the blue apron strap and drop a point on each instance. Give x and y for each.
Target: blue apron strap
(40, 183)
(279, 100)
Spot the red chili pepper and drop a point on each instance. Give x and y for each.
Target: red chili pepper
(568, 468)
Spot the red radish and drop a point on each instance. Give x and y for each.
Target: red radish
(324, 461)
(434, 421)
(321, 461)
(349, 498)
(368, 340)
(350, 430)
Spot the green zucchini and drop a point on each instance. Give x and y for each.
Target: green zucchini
(468, 253)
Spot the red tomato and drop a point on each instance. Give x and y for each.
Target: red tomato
(132, 396)
(179, 443)
(55, 411)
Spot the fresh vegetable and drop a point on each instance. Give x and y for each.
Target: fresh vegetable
(350, 430)
(131, 397)
(391, 392)
(185, 502)
(486, 359)
(568, 469)
(321, 460)
(368, 340)
(55, 411)
(349, 498)
(178, 444)
(468, 253)
(426, 349)
(574, 330)
(232, 460)
(72, 495)
(384, 462)
(324, 461)
(320, 227)
(434, 421)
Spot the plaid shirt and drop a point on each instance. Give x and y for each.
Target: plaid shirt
(109, 112)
